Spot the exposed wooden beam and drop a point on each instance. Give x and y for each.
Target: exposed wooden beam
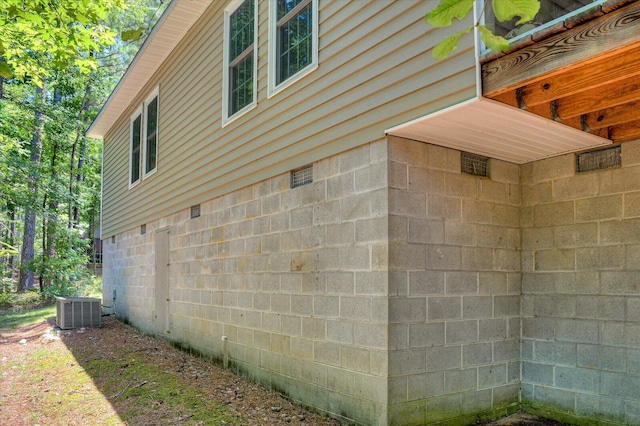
(613, 31)
(625, 132)
(613, 116)
(609, 95)
(611, 67)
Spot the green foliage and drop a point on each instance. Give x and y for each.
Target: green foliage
(79, 56)
(449, 11)
(506, 10)
(7, 250)
(492, 41)
(132, 35)
(39, 37)
(449, 44)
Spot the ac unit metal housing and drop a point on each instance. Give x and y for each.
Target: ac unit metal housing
(78, 312)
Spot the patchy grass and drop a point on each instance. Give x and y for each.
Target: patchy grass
(116, 375)
(12, 318)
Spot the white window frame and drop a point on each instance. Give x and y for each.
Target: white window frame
(138, 113)
(226, 84)
(147, 101)
(273, 48)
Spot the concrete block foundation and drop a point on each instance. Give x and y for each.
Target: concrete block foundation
(396, 290)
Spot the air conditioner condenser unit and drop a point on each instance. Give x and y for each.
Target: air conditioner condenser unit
(78, 312)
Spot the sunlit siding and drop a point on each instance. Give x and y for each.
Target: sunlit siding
(375, 71)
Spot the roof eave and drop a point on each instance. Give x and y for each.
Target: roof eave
(167, 33)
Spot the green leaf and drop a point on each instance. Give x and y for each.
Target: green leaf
(447, 10)
(5, 70)
(506, 10)
(448, 45)
(132, 35)
(7, 250)
(492, 41)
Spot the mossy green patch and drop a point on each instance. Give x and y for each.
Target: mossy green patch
(133, 385)
(560, 414)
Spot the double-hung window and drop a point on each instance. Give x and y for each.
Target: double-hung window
(240, 68)
(294, 40)
(151, 134)
(143, 131)
(136, 148)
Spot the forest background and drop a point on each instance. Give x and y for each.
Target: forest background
(59, 61)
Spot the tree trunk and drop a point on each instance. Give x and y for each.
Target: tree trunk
(74, 213)
(49, 228)
(11, 210)
(28, 247)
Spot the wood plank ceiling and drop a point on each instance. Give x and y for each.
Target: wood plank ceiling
(586, 76)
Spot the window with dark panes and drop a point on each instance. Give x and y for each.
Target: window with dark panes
(241, 57)
(136, 145)
(294, 32)
(151, 135)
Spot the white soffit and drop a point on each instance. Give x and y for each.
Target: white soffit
(172, 26)
(493, 129)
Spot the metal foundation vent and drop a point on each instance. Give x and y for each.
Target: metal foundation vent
(473, 164)
(599, 159)
(301, 176)
(195, 211)
(143, 229)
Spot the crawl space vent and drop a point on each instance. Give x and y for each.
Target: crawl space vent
(599, 159)
(301, 176)
(78, 312)
(195, 211)
(143, 229)
(473, 164)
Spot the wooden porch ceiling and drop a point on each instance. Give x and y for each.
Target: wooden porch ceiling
(586, 77)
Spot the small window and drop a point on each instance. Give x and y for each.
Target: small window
(240, 68)
(294, 40)
(473, 164)
(151, 134)
(195, 211)
(301, 176)
(599, 159)
(136, 147)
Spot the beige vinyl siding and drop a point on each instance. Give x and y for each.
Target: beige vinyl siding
(375, 71)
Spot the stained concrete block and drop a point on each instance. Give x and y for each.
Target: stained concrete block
(492, 375)
(461, 332)
(407, 309)
(426, 385)
(426, 335)
(444, 308)
(426, 283)
(460, 380)
(537, 373)
(440, 358)
(477, 354)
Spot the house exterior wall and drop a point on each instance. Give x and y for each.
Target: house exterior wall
(386, 292)
(375, 71)
(580, 294)
(296, 279)
(454, 287)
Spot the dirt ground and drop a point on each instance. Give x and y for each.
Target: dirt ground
(26, 392)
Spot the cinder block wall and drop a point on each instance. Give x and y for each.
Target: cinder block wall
(295, 278)
(454, 286)
(128, 269)
(581, 289)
